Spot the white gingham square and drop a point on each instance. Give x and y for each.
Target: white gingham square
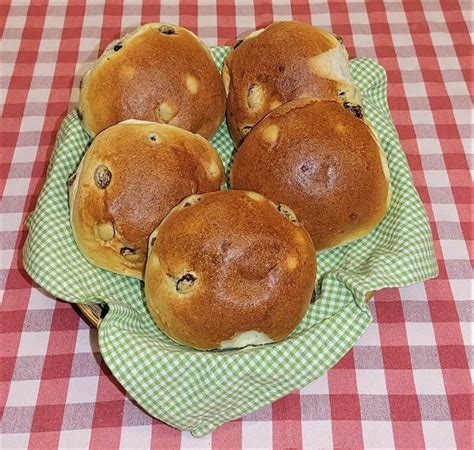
(317, 434)
(22, 392)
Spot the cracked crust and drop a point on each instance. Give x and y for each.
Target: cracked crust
(150, 168)
(283, 62)
(155, 76)
(244, 257)
(326, 164)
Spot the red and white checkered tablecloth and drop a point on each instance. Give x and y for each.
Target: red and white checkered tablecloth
(406, 383)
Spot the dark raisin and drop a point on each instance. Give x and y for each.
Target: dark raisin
(341, 93)
(153, 137)
(281, 69)
(71, 179)
(102, 176)
(153, 240)
(304, 168)
(79, 114)
(237, 43)
(357, 110)
(246, 129)
(339, 38)
(287, 213)
(185, 283)
(117, 47)
(192, 199)
(166, 29)
(127, 251)
(81, 83)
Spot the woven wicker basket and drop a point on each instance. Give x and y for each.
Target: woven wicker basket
(95, 313)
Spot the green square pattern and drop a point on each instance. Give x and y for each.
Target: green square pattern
(197, 391)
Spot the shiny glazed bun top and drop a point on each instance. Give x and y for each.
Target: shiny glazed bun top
(229, 269)
(283, 62)
(323, 161)
(160, 73)
(132, 175)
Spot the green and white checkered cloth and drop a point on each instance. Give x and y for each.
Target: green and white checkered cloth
(197, 391)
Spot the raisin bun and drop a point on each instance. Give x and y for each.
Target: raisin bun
(229, 269)
(132, 175)
(160, 73)
(283, 62)
(322, 160)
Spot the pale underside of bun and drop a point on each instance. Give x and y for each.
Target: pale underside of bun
(229, 269)
(323, 161)
(131, 176)
(283, 62)
(160, 72)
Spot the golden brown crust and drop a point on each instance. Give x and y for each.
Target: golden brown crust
(253, 270)
(132, 175)
(161, 73)
(323, 162)
(286, 61)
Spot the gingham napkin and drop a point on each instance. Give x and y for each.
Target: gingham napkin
(197, 391)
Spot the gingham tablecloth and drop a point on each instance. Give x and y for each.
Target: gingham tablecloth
(406, 383)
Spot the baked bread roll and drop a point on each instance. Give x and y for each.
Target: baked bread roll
(229, 269)
(132, 175)
(324, 162)
(160, 73)
(283, 62)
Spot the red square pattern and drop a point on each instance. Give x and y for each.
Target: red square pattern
(396, 357)
(460, 406)
(287, 408)
(344, 407)
(47, 418)
(452, 356)
(108, 414)
(390, 312)
(404, 407)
